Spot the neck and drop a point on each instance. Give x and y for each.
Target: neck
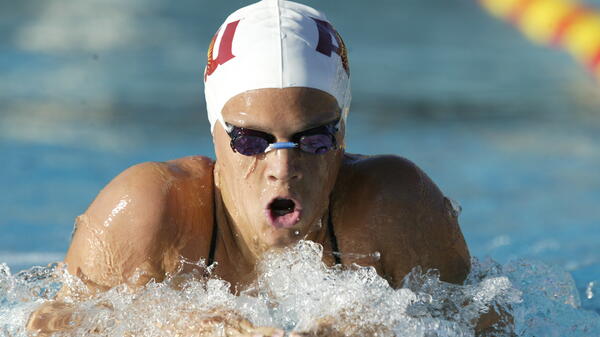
(244, 251)
(238, 249)
(242, 246)
(247, 248)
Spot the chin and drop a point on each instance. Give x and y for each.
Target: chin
(279, 237)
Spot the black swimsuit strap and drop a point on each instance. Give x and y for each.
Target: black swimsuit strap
(334, 244)
(213, 240)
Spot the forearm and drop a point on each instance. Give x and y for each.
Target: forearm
(60, 317)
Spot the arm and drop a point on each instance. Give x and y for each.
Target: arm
(144, 220)
(116, 235)
(410, 222)
(398, 211)
(122, 229)
(432, 231)
(132, 225)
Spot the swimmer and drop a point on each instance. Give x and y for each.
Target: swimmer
(277, 89)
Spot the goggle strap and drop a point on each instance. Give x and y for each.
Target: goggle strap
(337, 125)
(228, 127)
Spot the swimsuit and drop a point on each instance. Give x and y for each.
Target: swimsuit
(213, 240)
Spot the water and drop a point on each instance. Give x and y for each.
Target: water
(295, 291)
(508, 129)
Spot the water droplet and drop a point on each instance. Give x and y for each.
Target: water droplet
(376, 255)
(252, 167)
(455, 206)
(296, 232)
(589, 292)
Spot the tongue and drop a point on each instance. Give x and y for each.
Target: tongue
(286, 221)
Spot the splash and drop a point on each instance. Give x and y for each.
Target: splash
(295, 291)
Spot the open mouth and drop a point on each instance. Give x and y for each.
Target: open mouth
(283, 212)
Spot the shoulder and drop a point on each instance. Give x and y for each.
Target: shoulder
(405, 214)
(140, 217)
(161, 172)
(153, 181)
(150, 186)
(383, 173)
(387, 181)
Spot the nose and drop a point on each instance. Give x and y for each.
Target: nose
(282, 166)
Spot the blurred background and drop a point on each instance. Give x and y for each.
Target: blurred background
(509, 129)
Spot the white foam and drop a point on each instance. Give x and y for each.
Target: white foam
(295, 291)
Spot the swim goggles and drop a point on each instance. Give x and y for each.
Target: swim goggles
(253, 142)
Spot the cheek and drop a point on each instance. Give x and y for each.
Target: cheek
(235, 175)
(234, 167)
(320, 170)
(240, 174)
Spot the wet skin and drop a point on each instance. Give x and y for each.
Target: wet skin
(153, 213)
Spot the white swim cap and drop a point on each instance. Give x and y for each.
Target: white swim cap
(275, 44)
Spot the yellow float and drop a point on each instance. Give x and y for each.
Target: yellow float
(563, 23)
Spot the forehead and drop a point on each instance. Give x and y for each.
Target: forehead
(284, 110)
